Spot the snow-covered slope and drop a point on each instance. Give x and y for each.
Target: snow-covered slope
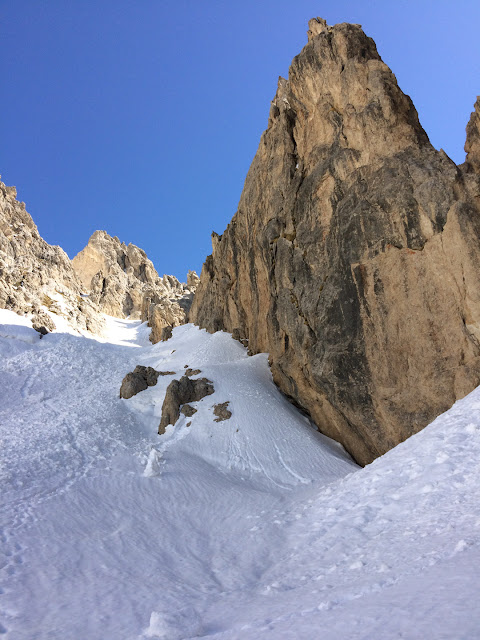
(250, 528)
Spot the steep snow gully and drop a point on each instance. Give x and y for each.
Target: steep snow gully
(255, 527)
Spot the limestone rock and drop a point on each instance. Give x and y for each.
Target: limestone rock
(315, 27)
(37, 278)
(165, 334)
(131, 385)
(472, 144)
(123, 282)
(237, 335)
(181, 392)
(139, 379)
(42, 323)
(354, 255)
(192, 372)
(222, 412)
(187, 410)
(192, 280)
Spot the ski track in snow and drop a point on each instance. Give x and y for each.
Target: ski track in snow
(256, 527)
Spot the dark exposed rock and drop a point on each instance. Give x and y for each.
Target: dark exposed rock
(354, 255)
(237, 335)
(166, 334)
(221, 411)
(149, 373)
(131, 385)
(188, 410)
(192, 372)
(180, 392)
(140, 379)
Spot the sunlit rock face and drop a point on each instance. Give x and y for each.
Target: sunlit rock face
(472, 144)
(123, 282)
(354, 256)
(37, 278)
(106, 277)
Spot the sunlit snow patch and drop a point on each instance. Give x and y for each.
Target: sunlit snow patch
(178, 624)
(17, 327)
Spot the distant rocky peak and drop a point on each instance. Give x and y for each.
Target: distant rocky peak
(316, 26)
(108, 254)
(123, 282)
(36, 278)
(107, 276)
(192, 279)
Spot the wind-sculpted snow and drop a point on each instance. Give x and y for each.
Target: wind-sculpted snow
(100, 514)
(389, 552)
(255, 527)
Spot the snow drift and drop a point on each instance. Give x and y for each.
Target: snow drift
(254, 527)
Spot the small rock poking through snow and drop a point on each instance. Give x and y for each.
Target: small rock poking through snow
(222, 412)
(179, 393)
(140, 379)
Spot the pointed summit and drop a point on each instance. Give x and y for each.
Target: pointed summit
(123, 282)
(354, 256)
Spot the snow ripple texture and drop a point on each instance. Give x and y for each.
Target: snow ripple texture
(256, 527)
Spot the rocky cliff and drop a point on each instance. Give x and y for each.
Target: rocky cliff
(107, 276)
(122, 282)
(472, 144)
(354, 255)
(35, 277)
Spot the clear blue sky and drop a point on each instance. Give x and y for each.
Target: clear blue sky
(141, 117)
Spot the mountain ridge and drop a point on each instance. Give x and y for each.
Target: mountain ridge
(107, 276)
(122, 282)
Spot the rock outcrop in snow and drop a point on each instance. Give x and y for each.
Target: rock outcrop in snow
(123, 282)
(354, 256)
(179, 393)
(138, 380)
(37, 278)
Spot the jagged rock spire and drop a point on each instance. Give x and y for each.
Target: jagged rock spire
(354, 256)
(123, 282)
